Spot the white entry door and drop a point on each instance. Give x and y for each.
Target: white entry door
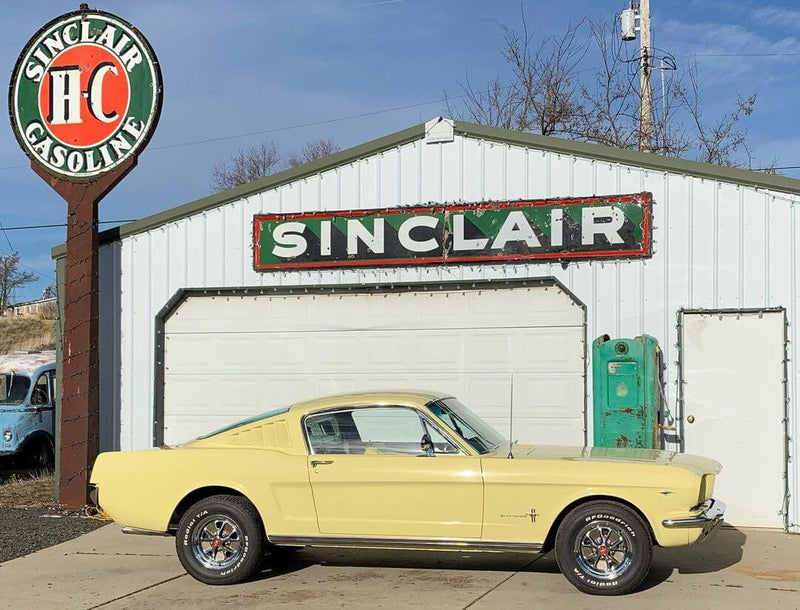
(733, 370)
(231, 357)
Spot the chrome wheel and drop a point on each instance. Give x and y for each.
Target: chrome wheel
(603, 549)
(217, 542)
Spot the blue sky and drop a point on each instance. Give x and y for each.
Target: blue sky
(239, 66)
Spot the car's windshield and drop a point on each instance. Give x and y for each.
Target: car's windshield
(467, 425)
(14, 388)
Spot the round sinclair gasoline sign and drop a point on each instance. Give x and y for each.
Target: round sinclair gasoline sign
(85, 94)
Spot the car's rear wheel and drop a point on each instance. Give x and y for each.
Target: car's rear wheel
(219, 540)
(604, 548)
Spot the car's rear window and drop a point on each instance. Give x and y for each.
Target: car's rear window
(244, 422)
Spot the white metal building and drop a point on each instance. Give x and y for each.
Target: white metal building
(193, 337)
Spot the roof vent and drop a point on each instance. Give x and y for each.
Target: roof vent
(439, 129)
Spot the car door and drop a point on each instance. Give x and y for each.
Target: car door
(371, 478)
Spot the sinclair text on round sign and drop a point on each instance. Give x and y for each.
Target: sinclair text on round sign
(85, 94)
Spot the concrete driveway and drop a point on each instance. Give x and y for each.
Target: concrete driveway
(105, 568)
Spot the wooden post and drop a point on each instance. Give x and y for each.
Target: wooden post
(646, 117)
(80, 409)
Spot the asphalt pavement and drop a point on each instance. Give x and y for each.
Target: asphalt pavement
(105, 568)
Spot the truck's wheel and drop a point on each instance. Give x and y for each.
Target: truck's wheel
(219, 540)
(38, 453)
(604, 548)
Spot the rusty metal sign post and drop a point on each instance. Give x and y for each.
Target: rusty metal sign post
(84, 100)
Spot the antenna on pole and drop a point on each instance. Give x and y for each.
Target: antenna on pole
(511, 422)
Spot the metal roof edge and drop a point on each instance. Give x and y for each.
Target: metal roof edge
(498, 134)
(631, 157)
(217, 199)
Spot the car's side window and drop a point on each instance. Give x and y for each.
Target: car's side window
(373, 431)
(40, 395)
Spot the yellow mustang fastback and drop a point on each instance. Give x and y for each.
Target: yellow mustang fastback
(406, 470)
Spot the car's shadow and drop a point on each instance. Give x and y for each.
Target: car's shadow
(720, 551)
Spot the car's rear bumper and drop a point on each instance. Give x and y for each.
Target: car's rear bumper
(709, 519)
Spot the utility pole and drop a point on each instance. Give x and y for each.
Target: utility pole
(646, 110)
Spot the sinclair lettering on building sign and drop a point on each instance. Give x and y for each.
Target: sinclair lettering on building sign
(617, 226)
(85, 94)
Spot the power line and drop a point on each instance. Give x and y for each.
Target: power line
(309, 124)
(742, 55)
(288, 127)
(56, 225)
(769, 169)
(7, 239)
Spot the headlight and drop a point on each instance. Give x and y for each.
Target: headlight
(8, 435)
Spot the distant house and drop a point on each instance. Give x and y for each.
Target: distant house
(45, 308)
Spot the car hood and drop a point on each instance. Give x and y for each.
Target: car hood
(696, 463)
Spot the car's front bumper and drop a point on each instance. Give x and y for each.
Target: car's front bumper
(709, 518)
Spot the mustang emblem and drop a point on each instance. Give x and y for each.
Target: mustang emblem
(533, 514)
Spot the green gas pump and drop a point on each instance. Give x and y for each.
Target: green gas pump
(627, 382)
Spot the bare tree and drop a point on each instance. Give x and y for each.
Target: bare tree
(313, 150)
(541, 92)
(611, 101)
(259, 161)
(581, 85)
(245, 166)
(11, 277)
(723, 140)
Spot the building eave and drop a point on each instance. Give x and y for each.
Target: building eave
(417, 132)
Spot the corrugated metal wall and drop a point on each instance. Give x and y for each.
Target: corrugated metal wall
(716, 245)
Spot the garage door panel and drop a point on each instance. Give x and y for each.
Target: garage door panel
(416, 310)
(266, 352)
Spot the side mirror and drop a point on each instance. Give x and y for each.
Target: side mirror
(427, 445)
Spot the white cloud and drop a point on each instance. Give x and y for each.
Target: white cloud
(729, 53)
(777, 16)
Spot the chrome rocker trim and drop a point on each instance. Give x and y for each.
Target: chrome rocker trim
(442, 544)
(709, 519)
(140, 532)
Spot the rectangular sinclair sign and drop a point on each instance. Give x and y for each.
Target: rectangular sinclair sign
(616, 226)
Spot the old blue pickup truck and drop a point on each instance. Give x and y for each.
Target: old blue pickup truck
(27, 406)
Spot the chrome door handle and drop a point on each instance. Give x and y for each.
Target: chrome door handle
(315, 463)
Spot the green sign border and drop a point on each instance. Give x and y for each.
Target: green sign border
(263, 224)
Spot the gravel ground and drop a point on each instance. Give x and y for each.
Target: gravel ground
(25, 530)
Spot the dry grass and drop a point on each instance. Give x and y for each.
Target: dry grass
(28, 333)
(27, 490)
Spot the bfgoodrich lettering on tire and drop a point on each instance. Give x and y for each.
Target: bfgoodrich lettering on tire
(219, 540)
(604, 548)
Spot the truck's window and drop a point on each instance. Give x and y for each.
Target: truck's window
(41, 391)
(14, 389)
(53, 386)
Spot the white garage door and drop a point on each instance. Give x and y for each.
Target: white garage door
(231, 357)
(733, 371)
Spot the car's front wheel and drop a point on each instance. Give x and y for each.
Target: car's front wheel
(604, 548)
(219, 540)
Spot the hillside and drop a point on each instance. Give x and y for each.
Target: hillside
(27, 334)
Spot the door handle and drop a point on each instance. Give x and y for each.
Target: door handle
(315, 463)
